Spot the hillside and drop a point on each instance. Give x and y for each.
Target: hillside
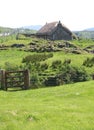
(5, 29)
(85, 34)
(33, 27)
(50, 63)
(90, 29)
(68, 107)
(8, 31)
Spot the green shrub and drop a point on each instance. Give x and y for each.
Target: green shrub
(71, 74)
(67, 61)
(89, 62)
(35, 81)
(56, 64)
(52, 81)
(31, 59)
(36, 58)
(44, 66)
(67, 74)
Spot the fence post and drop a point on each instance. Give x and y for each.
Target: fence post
(3, 86)
(0, 79)
(93, 76)
(26, 79)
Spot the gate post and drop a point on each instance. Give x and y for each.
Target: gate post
(3, 76)
(26, 79)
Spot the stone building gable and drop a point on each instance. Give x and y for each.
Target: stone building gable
(55, 31)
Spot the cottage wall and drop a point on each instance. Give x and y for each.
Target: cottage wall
(60, 34)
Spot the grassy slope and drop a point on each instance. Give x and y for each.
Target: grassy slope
(15, 57)
(68, 107)
(12, 56)
(83, 43)
(76, 59)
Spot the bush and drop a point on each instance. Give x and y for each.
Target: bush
(52, 81)
(71, 74)
(44, 66)
(35, 81)
(56, 64)
(67, 61)
(36, 58)
(89, 62)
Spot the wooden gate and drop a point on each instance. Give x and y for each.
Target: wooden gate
(11, 79)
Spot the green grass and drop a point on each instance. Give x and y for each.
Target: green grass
(83, 43)
(15, 57)
(9, 40)
(68, 107)
(12, 56)
(76, 59)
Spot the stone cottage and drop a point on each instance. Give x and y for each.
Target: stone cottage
(55, 31)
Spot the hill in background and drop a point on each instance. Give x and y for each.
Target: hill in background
(4, 31)
(89, 29)
(86, 33)
(33, 27)
(24, 29)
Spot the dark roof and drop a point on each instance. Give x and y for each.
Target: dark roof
(50, 27)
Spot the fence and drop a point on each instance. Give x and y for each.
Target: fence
(11, 79)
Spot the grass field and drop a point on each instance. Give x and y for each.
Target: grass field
(15, 57)
(67, 107)
(12, 56)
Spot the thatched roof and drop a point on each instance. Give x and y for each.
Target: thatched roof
(48, 28)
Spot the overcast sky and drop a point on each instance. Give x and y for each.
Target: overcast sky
(75, 14)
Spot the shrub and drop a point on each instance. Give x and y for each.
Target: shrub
(56, 64)
(67, 61)
(52, 81)
(71, 74)
(50, 55)
(36, 58)
(31, 59)
(89, 62)
(35, 81)
(44, 66)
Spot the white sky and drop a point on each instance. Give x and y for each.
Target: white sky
(75, 14)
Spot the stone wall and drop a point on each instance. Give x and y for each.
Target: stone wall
(60, 34)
